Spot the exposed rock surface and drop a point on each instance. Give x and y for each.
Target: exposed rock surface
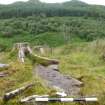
(54, 78)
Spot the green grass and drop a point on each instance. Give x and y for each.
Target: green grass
(84, 63)
(52, 39)
(79, 60)
(19, 75)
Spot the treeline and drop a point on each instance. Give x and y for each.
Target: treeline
(35, 7)
(87, 29)
(58, 22)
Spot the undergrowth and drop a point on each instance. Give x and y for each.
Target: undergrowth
(83, 61)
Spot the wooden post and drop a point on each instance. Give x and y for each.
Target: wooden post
(24, 48)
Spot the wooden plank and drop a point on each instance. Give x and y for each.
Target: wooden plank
(16, 92)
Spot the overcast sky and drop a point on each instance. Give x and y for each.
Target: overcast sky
(100, 2)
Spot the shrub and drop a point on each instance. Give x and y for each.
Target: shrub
(2, 47)
(8, 31)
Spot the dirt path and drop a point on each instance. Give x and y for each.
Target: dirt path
(54, 78)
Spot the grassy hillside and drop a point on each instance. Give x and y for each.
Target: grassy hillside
(33, 21)
(35, 7)
(53, 31)
(75, 31)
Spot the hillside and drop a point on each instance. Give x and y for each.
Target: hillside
(54, 31)
(74, 33)
(34, 20)
(35, 7)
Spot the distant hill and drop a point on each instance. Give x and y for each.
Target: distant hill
(35, 7)
(75, 3)
(50, 23)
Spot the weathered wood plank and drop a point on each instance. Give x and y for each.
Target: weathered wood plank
(16, 92)
(3, 74)
(29, 98)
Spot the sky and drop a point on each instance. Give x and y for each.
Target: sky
(99, 2)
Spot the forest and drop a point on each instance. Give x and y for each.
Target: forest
(73, 20)
(71, 32)
(36, 8)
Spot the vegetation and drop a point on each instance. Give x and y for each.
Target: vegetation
(35, 7)
(75, 31)
(37, 29)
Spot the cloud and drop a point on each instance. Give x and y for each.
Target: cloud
(9, 1)
(99, 2)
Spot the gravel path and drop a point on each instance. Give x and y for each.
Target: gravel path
(54, 78)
